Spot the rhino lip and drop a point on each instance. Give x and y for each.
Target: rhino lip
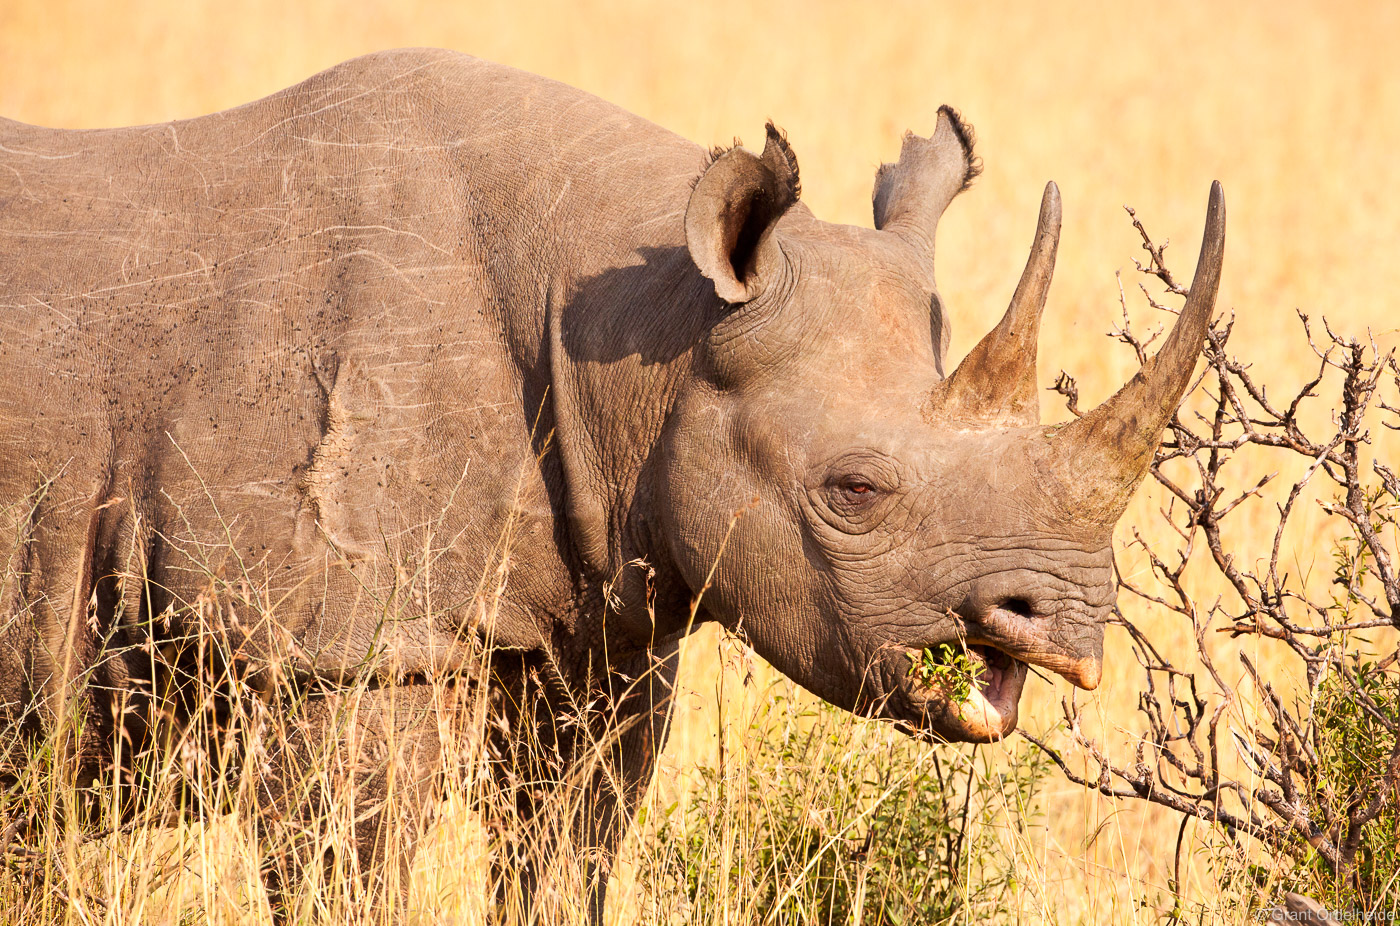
(989, 711)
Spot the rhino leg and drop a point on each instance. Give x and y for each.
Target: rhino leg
(574, 773)
(363, 765)
(49, 633)
(617, 785)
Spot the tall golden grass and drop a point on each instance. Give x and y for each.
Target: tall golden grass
(1293, 105)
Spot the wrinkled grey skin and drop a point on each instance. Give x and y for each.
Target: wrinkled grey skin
(421, 298)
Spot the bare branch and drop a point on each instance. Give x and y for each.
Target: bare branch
(1302, 801)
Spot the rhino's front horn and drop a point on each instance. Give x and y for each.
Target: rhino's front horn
(1104, 455)
(996, 383)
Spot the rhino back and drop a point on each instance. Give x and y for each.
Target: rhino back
(296, 353)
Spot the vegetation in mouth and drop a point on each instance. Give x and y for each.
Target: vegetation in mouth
(954, 669)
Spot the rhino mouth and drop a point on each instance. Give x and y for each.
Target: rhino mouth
(964, 692)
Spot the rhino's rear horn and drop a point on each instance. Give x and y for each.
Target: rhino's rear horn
(996, 382)
(735, 203)
(910, 195)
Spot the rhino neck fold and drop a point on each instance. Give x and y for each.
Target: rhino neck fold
(619, 343)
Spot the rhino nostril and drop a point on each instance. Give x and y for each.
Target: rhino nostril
(1018, 606)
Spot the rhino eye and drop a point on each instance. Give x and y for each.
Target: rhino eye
(853, 491)
(856, 491)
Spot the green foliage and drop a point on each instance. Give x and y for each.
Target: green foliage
(1351, 713)
(948, 668)
(826, 819)
(1355, 716)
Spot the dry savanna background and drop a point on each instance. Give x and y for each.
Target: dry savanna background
(1294, 106)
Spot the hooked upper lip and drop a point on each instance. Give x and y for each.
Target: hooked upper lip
(1023, 636)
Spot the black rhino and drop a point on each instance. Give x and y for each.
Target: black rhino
(426, 299)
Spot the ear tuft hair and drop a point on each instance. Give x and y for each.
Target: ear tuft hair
(968, 139)
(714, 154)
(778, 139)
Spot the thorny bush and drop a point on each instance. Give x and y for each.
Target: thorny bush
(1303, 758)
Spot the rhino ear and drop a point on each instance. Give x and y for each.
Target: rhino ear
(910, 195)
(732, 208)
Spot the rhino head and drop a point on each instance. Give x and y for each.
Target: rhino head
(883, 508)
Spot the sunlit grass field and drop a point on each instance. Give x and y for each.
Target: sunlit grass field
(1294, 106)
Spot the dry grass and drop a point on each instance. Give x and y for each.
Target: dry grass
(1291, 104)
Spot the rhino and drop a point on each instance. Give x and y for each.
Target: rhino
(426, 304)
